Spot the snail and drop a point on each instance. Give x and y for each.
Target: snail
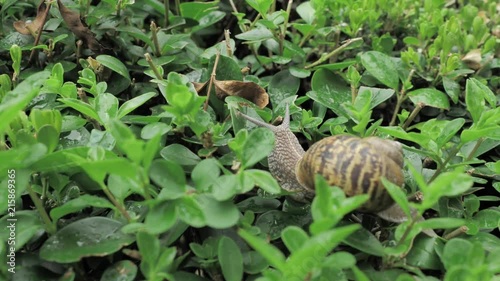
(354, 164)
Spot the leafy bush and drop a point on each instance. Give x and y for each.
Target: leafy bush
(122, 156)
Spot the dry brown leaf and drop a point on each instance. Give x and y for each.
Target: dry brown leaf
(72, 19)
(473, 59)
(31, 27)
(199, 87)
(247, 90)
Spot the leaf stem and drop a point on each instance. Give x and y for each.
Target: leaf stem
(154, 34)
(413, 114)
(49, 225)
(474, 149)
(400, 99)
(283, 30)
(461, 230)
(166, 4)
(117, 204)
(212, 79)
(443, 165)
(334, 52)
(153, 66)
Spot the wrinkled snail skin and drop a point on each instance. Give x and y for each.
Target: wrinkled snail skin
(354, 164)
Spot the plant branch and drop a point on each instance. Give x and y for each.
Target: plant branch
(212, 79)
(49, 226)
(333, 53)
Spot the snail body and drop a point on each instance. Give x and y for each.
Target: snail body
(354, 164)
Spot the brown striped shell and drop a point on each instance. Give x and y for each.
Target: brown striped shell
(356, 165)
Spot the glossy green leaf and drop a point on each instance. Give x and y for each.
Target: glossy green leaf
(180, 154)
(382, 67)
(274, 256)
(264, 180)
(134, 103)
(17, 99)
(88, 237)
(330, 90)
(294, 238)
(79, 204)
(230, 259)
(429, 97)
(114, 64)
(281, 86)
(124, 270)
(255, 35)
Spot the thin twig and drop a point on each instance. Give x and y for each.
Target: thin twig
(212, 79)
(40, 30)
(152, 65)
(228, 42)
(413, 114)
(49, 226)
(333, 53)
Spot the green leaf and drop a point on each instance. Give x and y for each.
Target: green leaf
(264, 180)
(114, 64)
(330, 90)
(27, 226)
(15, 55)
(366, 242)
(429, 97)
(49, 136)
(170, 177)
(79, 204)
(452, 88)
(294, 238)
(274, 256)
(256, 35)
(218, 214)
(282, 86)
(134, 103)
(205, 173)
(251, 148)
(306, 12)
(88, 237)
(423, 255)
(149, 247)
(180, 154)
(398, 195)
(456, 252)
(81, 106)
(488, 219)
(261, 6)
(17, 99)
(190, 211)
(378, 95)
(124, 270)
(106, 106)
(446, 184)
(441, 223)
(382, 67)
(315, 248)
(230, 259)
(160, 217)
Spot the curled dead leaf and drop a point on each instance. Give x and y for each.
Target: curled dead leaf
(32, 26)
(247, 90)
(75, 24)
(199, 87)
(473, 59)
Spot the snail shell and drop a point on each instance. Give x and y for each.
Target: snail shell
(356, 165)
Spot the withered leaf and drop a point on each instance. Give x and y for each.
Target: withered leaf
(473, 59)
(32, 27)
(199, 87)
(247, 90)
(72, 19)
